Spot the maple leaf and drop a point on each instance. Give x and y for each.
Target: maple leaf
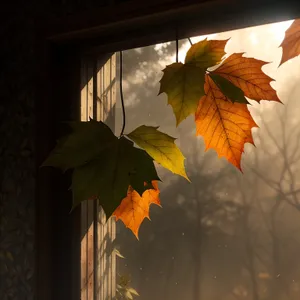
(246, 74)
(135, 208)
(104, 165)
(85, 142)
(205, 54)
(108, 176)
(184, 85)
(234, 93)
(224, 125)
(160, 147)
(291, 42)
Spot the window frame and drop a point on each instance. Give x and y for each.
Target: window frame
(60, 45)
(57, 231)
(98, 260)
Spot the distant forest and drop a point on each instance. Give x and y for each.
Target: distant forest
(226, 235)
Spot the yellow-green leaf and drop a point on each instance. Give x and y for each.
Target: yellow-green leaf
(161, 147)
(205, 54)
(184, 85)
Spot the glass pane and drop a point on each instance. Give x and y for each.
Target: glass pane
(226, 235)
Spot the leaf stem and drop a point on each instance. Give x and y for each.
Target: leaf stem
(190, 41)
(121, 94)
(177, 46)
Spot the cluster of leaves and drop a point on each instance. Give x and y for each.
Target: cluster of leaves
(111, 169)
(214, 90)
(220, 106)
(218, 98)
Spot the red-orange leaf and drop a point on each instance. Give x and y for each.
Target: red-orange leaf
(291, 43)
(246, 74)
(134, 208)
(225, 126)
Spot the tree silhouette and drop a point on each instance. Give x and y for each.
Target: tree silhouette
(225, 235)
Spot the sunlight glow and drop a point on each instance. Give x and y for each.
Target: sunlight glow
(278, 29)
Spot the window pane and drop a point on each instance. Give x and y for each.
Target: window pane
(226, 235)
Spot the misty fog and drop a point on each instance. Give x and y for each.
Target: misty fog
(226, 235)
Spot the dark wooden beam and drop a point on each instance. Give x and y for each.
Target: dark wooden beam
(58, 231)
(128, 26)
(86, 21)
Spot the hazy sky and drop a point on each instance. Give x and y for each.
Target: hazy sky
(141, 85)
(260, 42)
(143, 106)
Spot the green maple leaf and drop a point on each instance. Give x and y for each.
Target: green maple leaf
(161, 147)
(205, 54)
(87, 140)
(108, 177)
(231, 91)
(104, 165)
(184, 85)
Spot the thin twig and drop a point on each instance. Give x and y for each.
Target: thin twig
(121, 94)
(190, 41)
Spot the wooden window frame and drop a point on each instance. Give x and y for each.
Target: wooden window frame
(60, 45)
(98, 259)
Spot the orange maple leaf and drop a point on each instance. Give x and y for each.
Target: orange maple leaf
(291, 43)
(134, 208)
(225, 126)
(246, 74)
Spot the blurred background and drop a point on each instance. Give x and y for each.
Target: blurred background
(226, 235)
